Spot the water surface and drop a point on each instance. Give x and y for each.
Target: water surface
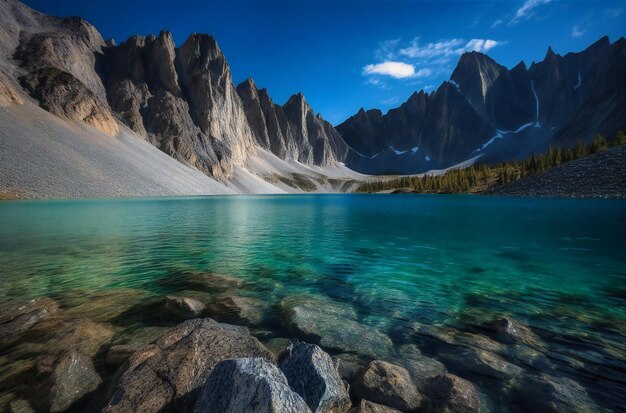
(556, 265)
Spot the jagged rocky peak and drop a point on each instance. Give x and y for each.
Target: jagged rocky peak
(293, 130)
(475, 74)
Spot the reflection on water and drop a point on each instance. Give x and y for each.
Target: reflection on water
(448, 263)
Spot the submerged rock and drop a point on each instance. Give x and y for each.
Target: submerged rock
(167, 375)
(182, 307)
(366, 406)
(481, 362)
(248, 385)
(550, 394)
(202, 281)
(511, 331)
(312, 374)
(246, 310)
(448, 393)
(63, 380)
(56, 336)
(388, 384)
(17, 317)
(349, 365)
(333, 326)
(420, 367)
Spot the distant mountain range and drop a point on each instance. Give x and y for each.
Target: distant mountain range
(498, 114)
(183, 101)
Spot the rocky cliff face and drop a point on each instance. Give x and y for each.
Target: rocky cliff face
(498, 114)
(291, 131)
(182, 100)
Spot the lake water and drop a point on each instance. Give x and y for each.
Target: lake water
(447, 262)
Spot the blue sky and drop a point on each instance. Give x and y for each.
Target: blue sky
(344, 55)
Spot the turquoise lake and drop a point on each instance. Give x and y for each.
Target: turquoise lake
(558, 266)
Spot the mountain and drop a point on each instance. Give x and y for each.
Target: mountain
(182, 100)
(492, 113)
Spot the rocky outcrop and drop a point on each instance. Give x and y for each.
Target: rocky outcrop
(451, 394)
(246, 385)
(291, 131)
(312, 374)
(64, 95)
(511, 331)
(167, 375)
(388, 384)
(243, 310)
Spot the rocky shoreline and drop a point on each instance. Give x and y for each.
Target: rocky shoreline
(602, 175)
(72, 354)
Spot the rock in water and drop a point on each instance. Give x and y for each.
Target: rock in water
(312, 374)
(167, 375)
(246, 310)
(388, 384)
(19, 317)
(248, 385)
(333, 326)
(545, 393)
(366, 406)
(64, 380)
(508, 330)
(448, 393)
(184, 307)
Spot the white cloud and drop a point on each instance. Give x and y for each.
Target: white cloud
(447, 48)
(577, 32)
(496, 23)
(614, 12)
(528, 10)
(398, 70)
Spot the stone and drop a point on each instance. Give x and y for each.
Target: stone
(168, 374)
(248, 385)
(312, 374)
(202, 281)
(17, 317)
(117, 355)
(182, 307)
(388, 384)
(20, 406)
(481, 362)
(103, 306)
(57, 336)
(511, 331)
(545, 393)
(420, 367)
(277, 345)
(349, 365)
(333, 326)
(246, 310)
(63, 380)
(366, 406)
(448, 393)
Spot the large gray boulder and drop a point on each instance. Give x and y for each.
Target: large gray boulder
(448, 393)
(248, 385)
(312, 374)
(388, 384)
(333, 326)
(63, 380)
(168, 374)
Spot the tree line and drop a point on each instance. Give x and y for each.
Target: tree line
(480, 177)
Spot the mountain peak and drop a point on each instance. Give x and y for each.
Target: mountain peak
(549, 54)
